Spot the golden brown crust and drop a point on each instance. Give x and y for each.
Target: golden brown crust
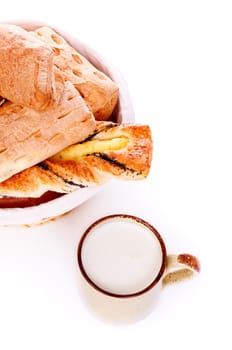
(32, 136)
(98, 90)
(26, 68)
(129, 163)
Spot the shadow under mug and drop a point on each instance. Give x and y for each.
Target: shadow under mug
(124, 264)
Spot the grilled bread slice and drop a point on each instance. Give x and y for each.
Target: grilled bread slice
(27, 136)
(98, 90)
(112, 150)
(26, 68)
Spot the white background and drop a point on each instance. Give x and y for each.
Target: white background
(176, 57)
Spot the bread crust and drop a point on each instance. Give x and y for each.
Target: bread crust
(27, 136)
(130, 163)
(98, 90)
(26, 68)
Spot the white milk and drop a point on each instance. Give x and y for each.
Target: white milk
(121, 257)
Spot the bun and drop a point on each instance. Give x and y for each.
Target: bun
(29, 136)
(26, 68)
(99, 91)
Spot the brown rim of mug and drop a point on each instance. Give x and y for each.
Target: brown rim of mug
(132, 218)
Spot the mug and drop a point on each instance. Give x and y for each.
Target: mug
(124, 264)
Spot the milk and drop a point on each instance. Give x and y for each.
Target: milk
(121, 257)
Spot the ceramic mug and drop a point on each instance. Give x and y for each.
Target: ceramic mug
(124, 264)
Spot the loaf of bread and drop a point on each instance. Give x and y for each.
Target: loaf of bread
(112, 150)
(26, 68)
(98, 90)
(49, 103)
(28, 136)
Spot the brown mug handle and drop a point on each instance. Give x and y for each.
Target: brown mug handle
(180, 267)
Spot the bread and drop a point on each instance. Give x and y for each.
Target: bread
(113, 150)
(28, 136)
(98, 90)
(26, 68)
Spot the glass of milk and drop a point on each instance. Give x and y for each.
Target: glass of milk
(124, 263)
